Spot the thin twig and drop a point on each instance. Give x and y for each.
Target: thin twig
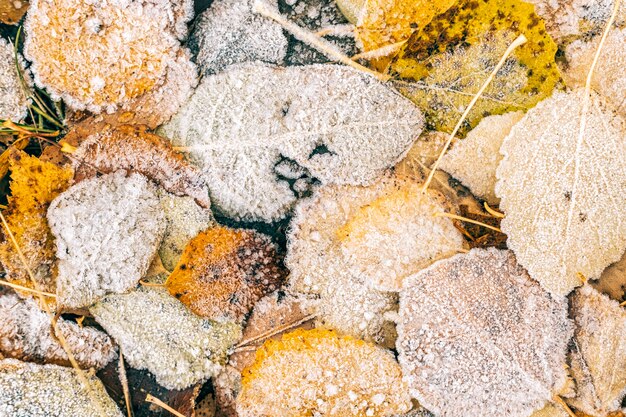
(465, 219)
(154, 400)
(275, 331)
(379, 52)
(124, 381)
(520, 40)
(563, 405)
(27, 289)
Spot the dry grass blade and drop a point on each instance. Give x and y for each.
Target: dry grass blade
(493, 212)
(274, 331)
(27, 289)
(156, 401)
(124, 382)
(465, 219)
(563, 405)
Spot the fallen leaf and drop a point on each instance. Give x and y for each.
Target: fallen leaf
(551, 410)
(26, 334)
(11, 12)
(107, 231)
(134, 149)
(34, 184)
(477, 336)
(28, 389)
(13, 101)
(158, 333)
(349, 376)
(598, 359)
(445, 63)
(347, 129)
(561, 194)
(612, 282)
(223, 272)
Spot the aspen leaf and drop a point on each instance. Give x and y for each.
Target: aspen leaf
(318, 372)
(477, 336)
(445, 63)
(223, 272)
(343, 127)
(598, 359)
(563, 199)
(34, 184)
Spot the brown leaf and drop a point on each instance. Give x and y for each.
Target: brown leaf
(11, 12)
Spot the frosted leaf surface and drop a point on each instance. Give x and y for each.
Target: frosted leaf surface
(113, 53)
(134, 149)
(13, 101)
(26, 334)
(612, 282)
(474, 159)
(341, 125)
(563, 202)
(397, 234)
(477, 336)
(30, 390)
(158, 333)
(609, 79)
(107, 231)
(229, 32)
(184, 219)
(598, 360)
(345, 301)
(316, 372)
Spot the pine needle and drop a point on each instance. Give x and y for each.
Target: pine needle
(563, 405)
(520, 40)
(379, 52)
(271, 332)
(465, 219)
(154, 400)
(493, 212)
(27, 289)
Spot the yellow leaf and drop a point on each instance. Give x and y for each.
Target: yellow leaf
(444, 64)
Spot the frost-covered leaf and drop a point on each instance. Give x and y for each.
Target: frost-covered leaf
(563, 200)
(107, 231)
(34, 184)
(598, 360)
(134, 149)
(609, 79)
(11, 12)
(13, 101)
(445, 63)
(338, 124)
(223, 272)
(114, 52)
(612, 282)
(477, 336)
(30, 390)
(158, 333)
(229, 32)
(474, 160)
(26, 334)
(551, 410)
(316, 371)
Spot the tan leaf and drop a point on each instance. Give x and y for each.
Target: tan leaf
(11, 12)
(612, 282)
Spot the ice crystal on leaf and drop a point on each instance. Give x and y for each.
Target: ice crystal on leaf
(562, 193)
(13, 101)
(477, 336)
(107, 231)
(341, 125)
(317, 372)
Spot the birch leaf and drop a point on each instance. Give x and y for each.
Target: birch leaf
(477, 336)
(445, 63)
(563, 200)
(333, 123)
(599, 355)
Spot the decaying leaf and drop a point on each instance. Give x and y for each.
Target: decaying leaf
(477, 336)
(184, 219)
(158, 333)
(612, 282)
(31, 390)
(116, 52)
(562, 192)
(223, 272)
(229, 32)
(107, 231)
(551, 410)
(11, 12)
(34, 184)
(26, 334)
(598, 360)
(344, 127)
(445, 63)
(474, 160)
(312, 372)
(13, 101)
(134, 149)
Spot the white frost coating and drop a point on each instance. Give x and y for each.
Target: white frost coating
(478, 337)
(158, 333)
(598, 360)
(343, 126)
(30, 390)
(564, 203)
(107, 231)
(229, 33)
(609, 79)
(346, 302)
(13, 101)
(474, 160)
